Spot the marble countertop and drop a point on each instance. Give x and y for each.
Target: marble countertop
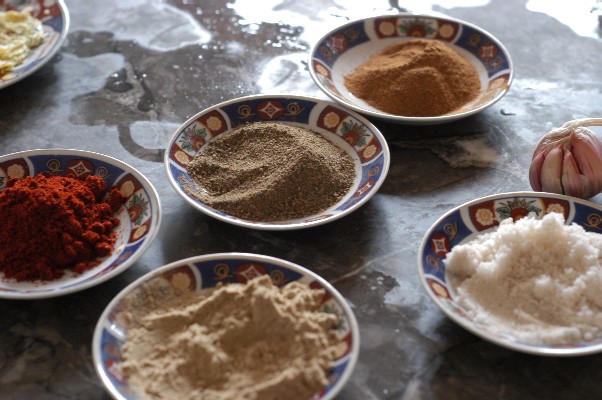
(131, 71)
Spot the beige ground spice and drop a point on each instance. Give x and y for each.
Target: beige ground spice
(240, 341)
(418, 78)
(270, 171)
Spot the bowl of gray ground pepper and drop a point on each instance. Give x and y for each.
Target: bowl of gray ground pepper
(275, 162)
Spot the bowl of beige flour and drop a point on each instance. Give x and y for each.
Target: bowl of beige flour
(522, 270)
(227, 326)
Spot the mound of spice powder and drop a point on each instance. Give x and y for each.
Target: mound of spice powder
(271, 171)
(418, 78)
(239, 341)
(51, 224)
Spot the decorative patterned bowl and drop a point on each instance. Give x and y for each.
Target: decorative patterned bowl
(55, 22)
(139, 217)
(467, 221)
(200, 274)
(342, 50)
(344, 128)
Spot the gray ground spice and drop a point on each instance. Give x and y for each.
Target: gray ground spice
(270, 171)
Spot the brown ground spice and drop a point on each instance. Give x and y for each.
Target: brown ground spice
(270, 171)
(419, 78)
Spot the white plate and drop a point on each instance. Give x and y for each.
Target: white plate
(468, 220)
(345, 48)
(139, 217)
(55, 21)
(200, 274)
(352, 132)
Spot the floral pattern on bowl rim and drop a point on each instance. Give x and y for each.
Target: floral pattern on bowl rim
(139, 217)
(468, 220)
(350, 131)
(342, 50)
(197, 274)
(55, 22)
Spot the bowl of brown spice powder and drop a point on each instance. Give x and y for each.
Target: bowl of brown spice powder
(276, 162)
(72, 219)
(412, 69)
(227, 326)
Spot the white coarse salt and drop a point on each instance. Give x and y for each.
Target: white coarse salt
(537, 280)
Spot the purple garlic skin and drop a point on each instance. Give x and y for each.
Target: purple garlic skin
(568, 162)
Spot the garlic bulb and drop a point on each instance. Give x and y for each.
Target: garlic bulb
(568, 160)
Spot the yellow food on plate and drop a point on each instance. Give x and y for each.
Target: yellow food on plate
(19, 33)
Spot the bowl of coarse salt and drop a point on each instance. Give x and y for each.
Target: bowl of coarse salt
(521, 270)
(277, 162)
(412, 68)
(229, 325)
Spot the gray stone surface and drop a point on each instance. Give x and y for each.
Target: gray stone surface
(131, 71)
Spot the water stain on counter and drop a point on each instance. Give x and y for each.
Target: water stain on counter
(171, 82)
(181, 56)
(584, 17)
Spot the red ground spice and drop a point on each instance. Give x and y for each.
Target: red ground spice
(53, 223)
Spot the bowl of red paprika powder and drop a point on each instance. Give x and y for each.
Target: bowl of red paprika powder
(277, 162)
(71, 220)
(412, 69)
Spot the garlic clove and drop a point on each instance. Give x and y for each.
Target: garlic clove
(587, 151)
(552, 171)
(535, 171)
(568, 160)
(574, 183)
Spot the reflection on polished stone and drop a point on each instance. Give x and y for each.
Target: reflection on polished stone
(133, 70)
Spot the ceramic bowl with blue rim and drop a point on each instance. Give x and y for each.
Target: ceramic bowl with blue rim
(55, 22)
(139, 216)
(467, 221)
(339, 52)
(200, 274)
(346, 129)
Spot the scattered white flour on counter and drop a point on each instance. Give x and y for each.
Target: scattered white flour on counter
(538, 280)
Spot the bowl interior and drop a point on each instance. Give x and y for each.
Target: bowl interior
(55, 22)
(464, 223)
(139, 216)
(200, 274)
(353, 133)
(342, 50)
